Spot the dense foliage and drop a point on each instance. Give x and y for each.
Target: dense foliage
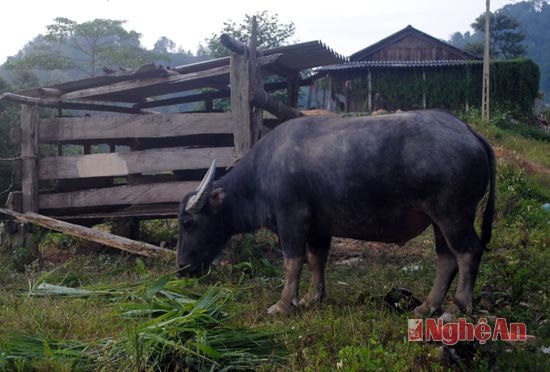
(514, 86)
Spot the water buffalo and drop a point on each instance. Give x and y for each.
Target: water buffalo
(383, 179)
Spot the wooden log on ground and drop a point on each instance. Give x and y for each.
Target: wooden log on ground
(128, 245)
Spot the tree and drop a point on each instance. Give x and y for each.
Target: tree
(8, 118)
(271, 33)
(460, 40)
(505, 41)
(164, 45)
(86, 47)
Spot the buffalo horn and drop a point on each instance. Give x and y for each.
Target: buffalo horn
(197, 201)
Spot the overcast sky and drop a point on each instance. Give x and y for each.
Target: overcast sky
(344, 25)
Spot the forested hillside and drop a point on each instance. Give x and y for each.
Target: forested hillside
(533, 18)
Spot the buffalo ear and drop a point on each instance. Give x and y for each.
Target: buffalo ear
(216, 199)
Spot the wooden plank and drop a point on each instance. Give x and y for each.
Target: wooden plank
(224, 93)
(68, 105)
(98, 236)
(144, 211)
(240, 103)
(150, 83)
(29, 156)
(104, 128)
(134, 162)
(169, 192)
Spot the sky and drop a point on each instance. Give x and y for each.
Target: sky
(344, 25)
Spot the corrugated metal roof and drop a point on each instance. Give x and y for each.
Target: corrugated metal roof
(306, 55)
(159, 81)
(393, 64)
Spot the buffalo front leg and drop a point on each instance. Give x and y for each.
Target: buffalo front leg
(289, 297)
(292, 231)
(316, 258)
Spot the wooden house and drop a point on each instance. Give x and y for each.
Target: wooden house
(349, 86)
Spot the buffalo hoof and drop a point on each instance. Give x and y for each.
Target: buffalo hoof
(426, 310)
(456, 308)
(311, 300)
(281, 308)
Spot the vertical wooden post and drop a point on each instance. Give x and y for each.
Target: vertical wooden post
(245, 78)
(209, 103)
(369, 90)
(328, 97)
(240, 104)
(293, 89)
(256, 85)
(424, 89)
(29, 155)
(467, 104)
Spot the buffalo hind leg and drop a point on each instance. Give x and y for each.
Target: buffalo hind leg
(316, 258)
(447, 268)
(468, 250)
(464, 243)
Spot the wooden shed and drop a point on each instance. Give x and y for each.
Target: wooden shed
(408, 48)
(117, 146)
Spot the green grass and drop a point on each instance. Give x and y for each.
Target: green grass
(354, 330)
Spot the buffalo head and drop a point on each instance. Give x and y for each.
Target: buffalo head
(202, 226)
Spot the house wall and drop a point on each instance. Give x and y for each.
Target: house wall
(413, 48)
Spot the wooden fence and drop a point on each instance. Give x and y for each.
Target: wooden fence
(128, 163)
(149, 162)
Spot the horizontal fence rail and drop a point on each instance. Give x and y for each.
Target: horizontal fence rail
(133, 162)
(101, 129)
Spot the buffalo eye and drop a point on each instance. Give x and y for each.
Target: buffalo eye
(188, 224)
